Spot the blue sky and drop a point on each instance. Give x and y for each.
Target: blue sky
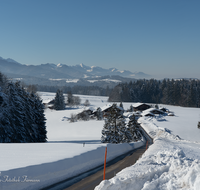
(158, 37)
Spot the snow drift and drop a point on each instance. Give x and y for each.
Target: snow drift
(169, 164)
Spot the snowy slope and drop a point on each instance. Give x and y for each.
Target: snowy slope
(36, 165)
(170, 163)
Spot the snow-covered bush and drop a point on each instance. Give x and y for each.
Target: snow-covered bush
(73, 118)
(73, 100)
(86, 103)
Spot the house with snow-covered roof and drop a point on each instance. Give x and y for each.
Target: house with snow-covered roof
(140, 106)
(106, 109)
(152, 112)
(131, 114)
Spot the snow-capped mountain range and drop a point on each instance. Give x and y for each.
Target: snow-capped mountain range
(50, 74)
(62, 71)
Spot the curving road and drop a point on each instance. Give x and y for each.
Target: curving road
(89, 183)
(90, 179)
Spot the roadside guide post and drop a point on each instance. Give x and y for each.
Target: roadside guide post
(147, 145)
(104, 172)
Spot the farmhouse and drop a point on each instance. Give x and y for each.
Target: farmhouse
(152, 112)
(140, 106)
(85, 114)
(165, 110)
(106, 110)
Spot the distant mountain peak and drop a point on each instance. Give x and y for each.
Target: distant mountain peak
(59, 65)
(10, 60)
(82, 65)
(113, 69)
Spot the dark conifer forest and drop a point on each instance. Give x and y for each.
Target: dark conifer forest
(180, 92)
(83, 90)
(21, 114)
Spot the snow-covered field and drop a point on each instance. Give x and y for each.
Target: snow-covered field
(170, 163)
(72, 148)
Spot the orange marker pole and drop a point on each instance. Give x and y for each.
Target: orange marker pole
(146, 145)
(104, 172)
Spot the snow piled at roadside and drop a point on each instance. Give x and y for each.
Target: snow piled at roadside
(42, 175)
(169, 164)
(165, 170)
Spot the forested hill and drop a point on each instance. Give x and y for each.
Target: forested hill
(83, 90)
(173, 92)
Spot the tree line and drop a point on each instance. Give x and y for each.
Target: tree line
(173, 92)
(21, 114)
(83, 90)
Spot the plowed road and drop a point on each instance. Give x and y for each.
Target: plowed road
(90, 182)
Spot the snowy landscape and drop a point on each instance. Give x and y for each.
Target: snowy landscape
(82, 82)
(171, 162)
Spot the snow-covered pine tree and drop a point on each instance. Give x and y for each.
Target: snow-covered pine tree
(57, 100)
(27, 112)
(133, 133)
(6, 131)
(122, 108)
(40, 119)
(31, 116)
(21, 114)
(114, 127)
(3, 82)
(59, 103)
(122, 129)
(62, 100)
(99, 114)
(131, 108)
(70, 100)
(121, 105)
(17, 114)
(110, 127)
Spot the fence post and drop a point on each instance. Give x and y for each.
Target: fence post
(104, 172)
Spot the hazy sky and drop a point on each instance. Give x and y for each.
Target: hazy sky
(158, 37)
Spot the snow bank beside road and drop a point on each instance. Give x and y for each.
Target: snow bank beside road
(46, 174)
(166, 165)
(169, 164)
